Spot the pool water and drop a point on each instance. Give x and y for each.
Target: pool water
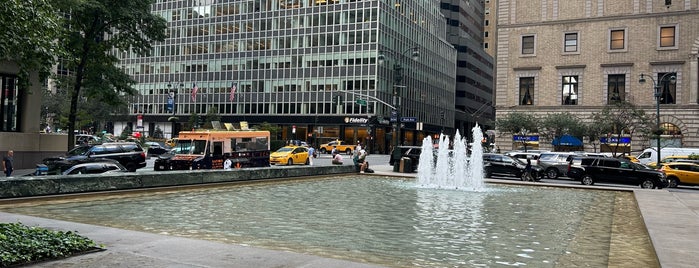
(387, 221)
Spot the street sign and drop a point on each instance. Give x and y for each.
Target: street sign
(408, 119)
(405, 119)
(361, 102)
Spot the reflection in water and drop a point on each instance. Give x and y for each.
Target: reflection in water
(373, 219)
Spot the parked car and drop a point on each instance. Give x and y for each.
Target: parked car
(128, 154)
(506, 165)
(523, 156)
(97, 167)
(156, 148)
(290, 155)
(681, 173)
(590, 170)
(412, 152)
(555, 164)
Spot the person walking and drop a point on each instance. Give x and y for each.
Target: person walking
(311, 155)
(528, 171)
(7, 162)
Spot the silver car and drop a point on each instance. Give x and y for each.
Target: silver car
(555, 164)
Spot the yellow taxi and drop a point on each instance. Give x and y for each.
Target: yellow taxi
(668, 159)
(681, 173)
(289, 155)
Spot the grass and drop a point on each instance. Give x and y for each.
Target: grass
(20, 244)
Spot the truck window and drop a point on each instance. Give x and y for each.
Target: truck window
(644, 155)
(199, 147)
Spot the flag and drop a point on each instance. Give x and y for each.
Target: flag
(194, 92)
(234, 86)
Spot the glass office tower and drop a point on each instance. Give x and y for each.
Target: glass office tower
(301, 65)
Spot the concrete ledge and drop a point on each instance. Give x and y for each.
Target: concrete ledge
(16, 187)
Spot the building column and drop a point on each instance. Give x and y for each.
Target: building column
(694, 79)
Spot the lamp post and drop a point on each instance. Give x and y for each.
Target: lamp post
(672, 79)
(397, 78)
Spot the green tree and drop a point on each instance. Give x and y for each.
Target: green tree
(622, 119)
(555, 125)
(273, 130)
(29, 31)
(95, 30)
(518, 124)
(211, 115)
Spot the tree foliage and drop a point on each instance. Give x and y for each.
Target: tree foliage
(29, 31)
(95, 31)
(555, 125)
(620, 119)
(515, 122)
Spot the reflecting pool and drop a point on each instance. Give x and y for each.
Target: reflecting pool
(387, 221)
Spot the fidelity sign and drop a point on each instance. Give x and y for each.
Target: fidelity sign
(356, 120)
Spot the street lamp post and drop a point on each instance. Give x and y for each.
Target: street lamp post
(672, 79)
(397, 78)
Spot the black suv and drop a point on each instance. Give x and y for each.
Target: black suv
(128, 154)
(589, 170)
(501, 164)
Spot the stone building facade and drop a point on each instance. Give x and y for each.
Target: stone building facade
(558, 56)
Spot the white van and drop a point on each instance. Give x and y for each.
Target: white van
(650, 154)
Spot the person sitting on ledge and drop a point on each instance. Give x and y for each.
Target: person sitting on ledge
(337, 159)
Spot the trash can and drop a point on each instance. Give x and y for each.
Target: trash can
(406, 165)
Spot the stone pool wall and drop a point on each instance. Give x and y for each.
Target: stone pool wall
(15, 187)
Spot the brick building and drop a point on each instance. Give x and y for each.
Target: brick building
(558, 56)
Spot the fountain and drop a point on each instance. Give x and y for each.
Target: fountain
(453, 169)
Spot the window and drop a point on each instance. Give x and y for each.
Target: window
(526, 91)
(617, 40)
(667, 37)
(616, 85)
(571, 42)
(667, 89)
(10, 103)
(570, 90)
(528, 45)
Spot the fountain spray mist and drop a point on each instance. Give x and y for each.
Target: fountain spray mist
(452, 169)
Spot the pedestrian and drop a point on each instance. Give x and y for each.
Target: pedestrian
(361, 161)
(528, 171)
(334, 151)
(311, 155)
(7, 162)
(337, 159)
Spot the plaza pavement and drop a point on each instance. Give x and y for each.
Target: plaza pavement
(671, 217)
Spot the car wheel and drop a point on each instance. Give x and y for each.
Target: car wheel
(552, 173)
(290, 162)
(323, 151)
(131, 167)
(647, 184)
(487, 173)
(587, 180)
(672, 182)
(348, 151)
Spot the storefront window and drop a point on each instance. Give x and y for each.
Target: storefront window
(9, 108)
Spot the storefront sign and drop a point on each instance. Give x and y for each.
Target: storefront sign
(622, 140)
(521, 138)
(356, 120)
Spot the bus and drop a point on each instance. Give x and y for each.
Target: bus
(218, 149)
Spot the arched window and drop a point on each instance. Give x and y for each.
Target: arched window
(670, 129)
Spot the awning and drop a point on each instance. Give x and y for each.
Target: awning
(567, 140)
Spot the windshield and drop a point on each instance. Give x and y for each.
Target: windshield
(82, 150)
(284, 150)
